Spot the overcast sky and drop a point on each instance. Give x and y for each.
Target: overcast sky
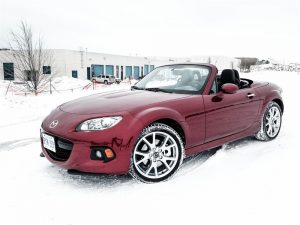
(260, 28)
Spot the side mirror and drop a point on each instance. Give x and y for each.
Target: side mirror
(229, 88)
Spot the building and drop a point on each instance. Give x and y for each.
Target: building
(83, 64)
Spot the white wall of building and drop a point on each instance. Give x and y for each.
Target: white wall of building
(65, 61)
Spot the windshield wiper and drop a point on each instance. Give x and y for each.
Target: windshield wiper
(136, 88)
(155, 89)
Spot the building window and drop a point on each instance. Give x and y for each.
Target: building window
(8, 69)
(74, 74)
(146, 69)
(109, 69)
(97, 70)
(128, 71)
(151, 68)
(46, 69)
(136, 70)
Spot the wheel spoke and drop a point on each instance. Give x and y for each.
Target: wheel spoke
(142, 154)
(147, 142)
(269, 130)
(142, 160)
(272, 112)
(165, 163)
(170, 158)
(277, 115)
(149, 169)
(165, 142)
(155, 170)
(170, 146)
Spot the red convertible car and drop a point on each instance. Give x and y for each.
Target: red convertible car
(174, 112)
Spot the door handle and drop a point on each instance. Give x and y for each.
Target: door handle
(250, 95)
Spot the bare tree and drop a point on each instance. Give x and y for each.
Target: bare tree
(32, 63)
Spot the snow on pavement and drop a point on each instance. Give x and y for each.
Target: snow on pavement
(246, 182)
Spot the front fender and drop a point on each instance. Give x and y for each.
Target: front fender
(156, 113)
(148, 116)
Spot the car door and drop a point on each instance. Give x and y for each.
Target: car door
(102, 78)
(230, 114)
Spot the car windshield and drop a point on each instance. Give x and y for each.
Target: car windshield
(175, 79)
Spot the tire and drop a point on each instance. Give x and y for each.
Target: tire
(106, 82)
(155, 161)
(270, 123)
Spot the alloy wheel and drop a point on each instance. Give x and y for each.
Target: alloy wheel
(273, 121)
(156, 155)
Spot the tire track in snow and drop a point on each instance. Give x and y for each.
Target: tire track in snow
(194, 162)
(9, 145)
(22, 122)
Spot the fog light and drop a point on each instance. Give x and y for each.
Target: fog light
(98, 154)
(102, 153)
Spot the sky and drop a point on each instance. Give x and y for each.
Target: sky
(174, 28)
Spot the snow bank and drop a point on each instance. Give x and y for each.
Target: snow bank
(69, 83)
(60, 85)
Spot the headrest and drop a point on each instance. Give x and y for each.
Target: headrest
(227, 76)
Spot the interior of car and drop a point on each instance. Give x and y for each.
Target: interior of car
(232, 76)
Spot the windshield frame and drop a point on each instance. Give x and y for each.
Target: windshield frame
(178, 91)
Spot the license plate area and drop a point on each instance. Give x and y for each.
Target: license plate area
(49, 142)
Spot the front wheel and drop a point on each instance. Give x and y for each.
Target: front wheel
(157, 154)
(271, 123)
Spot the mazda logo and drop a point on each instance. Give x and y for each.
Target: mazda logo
(53, 123)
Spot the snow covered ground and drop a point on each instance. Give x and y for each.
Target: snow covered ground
(246, 182)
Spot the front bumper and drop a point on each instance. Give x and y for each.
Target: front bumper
(74, 148)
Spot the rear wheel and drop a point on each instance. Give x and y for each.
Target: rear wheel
(106, 82)
(157, 155)
(271, 123)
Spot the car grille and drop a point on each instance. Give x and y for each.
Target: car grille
(63, 149)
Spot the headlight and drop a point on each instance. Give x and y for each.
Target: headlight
(99, 123)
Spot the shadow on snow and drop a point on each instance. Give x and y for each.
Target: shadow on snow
(104, 181)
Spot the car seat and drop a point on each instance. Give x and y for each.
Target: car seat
(227, 76)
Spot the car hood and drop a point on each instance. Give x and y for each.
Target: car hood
(117, 101)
